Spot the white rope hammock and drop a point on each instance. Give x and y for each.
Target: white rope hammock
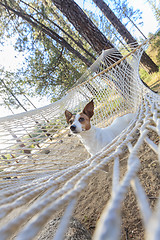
(38, 178)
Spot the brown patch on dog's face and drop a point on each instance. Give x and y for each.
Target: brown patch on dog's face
(69, 117)
(85, 121)
(71, 120)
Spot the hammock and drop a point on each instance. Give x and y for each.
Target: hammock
(38, 178)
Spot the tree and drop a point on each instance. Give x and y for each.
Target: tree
(51, 67)
(154, 48)
(10, 92)
(87, 29)
(37, 24)
(63, 64)
(83, 25)
(156, 8)
(56, 51)
(146, 61)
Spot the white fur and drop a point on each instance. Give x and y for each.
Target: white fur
(77, 124)
(95, 139)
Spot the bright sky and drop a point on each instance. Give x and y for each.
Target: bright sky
(11, 59)
(150, 23)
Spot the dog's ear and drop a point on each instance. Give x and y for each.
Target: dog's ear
(68, 115)
(89, 109)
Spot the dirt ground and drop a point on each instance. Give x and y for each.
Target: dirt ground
(95, 196)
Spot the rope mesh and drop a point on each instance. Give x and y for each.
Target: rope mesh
(38, 177)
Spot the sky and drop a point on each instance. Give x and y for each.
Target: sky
(150, 23)
(11, 60)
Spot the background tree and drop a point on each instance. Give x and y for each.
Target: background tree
(56, 54)
(147, 62)
(51, 67)
(156, 8)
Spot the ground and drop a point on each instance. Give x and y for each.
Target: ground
(97, 193)
(95, 196)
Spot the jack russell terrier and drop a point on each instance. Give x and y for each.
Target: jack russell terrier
(93, 138)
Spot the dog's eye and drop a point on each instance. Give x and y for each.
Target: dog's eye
(81, 119)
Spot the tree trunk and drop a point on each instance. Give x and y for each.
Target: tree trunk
(146, 61)
(89, 32)
(83, 25)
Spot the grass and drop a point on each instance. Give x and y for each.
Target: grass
(153, 80)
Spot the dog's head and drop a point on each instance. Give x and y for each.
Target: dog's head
(80, 122)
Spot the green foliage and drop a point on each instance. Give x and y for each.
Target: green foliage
(154, 48)
(153, 80)
(156, 8)
(50, 68)
(10, 89)
(146, 77)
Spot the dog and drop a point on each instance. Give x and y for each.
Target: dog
(94, 138)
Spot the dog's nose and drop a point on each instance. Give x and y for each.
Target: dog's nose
(73, 128)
